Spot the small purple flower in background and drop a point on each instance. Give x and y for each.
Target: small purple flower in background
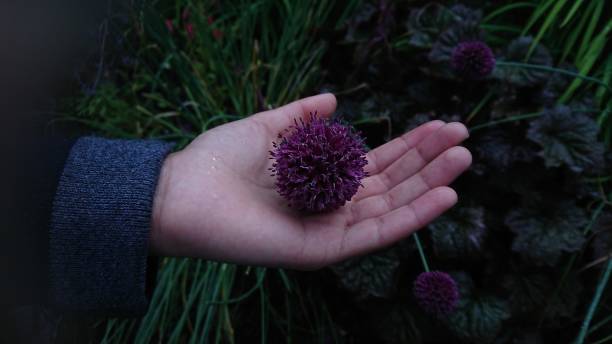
(473, 60)
(169, 25)
(436, 292)
(189, 30)
(319, 165)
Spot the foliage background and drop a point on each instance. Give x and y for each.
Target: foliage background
(529, 242)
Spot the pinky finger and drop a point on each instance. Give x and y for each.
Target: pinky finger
(382, 231)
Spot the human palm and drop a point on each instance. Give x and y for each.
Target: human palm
(216, 198)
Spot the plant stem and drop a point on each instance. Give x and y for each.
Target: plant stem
(600, 324)
(553, 70)
(604, 340)
(505, 120)
(421, 252)
(584, 329)
(482, 102)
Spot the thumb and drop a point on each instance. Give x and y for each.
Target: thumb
(280, 118)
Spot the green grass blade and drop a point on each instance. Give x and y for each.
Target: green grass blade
(539, 11)
(506, 8)
(593, 20)
(601, 285)
(571, 13)
(575, 32)
(591, 56)
(550, 18)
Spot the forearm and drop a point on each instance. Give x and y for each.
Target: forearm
(99, 234)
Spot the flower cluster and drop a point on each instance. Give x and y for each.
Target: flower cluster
(473, 60)
(189, 27)
(319, 164)
(436, 292)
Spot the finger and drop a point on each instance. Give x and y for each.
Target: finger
(441, 171)
(383, 156)
(415, 159)
(382, 231)
(279, 119)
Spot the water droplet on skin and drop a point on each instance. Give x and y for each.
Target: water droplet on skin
(215, 158)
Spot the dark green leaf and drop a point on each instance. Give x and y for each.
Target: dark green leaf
(443, 47)
(567, 138)
(527, 292)
(501, 149)
(556, 84)
(542, 235)
(522, 76)
(357, 27)
(466, 15)
(371, 275)
(602, 242)
(565, 302)
(459, 233)
(396, 325)
(424, 24)
(478, 318)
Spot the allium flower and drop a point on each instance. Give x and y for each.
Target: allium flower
(436, 292)
(319, 164)
(473, 60)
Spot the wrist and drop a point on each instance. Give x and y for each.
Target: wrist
(156, 239)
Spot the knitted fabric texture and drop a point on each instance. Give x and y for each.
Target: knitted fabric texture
(98, 240)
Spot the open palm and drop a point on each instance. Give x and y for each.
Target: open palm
(217, 200)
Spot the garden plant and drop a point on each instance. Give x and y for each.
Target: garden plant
(526, 254)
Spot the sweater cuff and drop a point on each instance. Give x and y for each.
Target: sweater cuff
(98, 240)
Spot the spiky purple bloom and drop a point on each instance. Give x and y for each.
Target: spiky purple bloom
(473, 59)
(436, 292)
(319, 164)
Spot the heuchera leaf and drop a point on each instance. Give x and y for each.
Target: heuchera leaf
(564, 303)
(521, 335)
(466, 15)
(459, 233)
(556, 84)
(371, 275)
(442, 49)
(602, 242)
(424, 24)
(542, 235)
(522, 76)
(356, 28)
(478, 318)
(465, 26)
(501, 149)
(397, 325)
(527, 292)
(567, 138)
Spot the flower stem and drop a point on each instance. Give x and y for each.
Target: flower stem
(421, 252)
(584, 329)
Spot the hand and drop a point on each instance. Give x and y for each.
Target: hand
(217, 200)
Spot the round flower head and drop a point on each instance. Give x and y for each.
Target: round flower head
(319, 164)
(436, 292)
(473, 60)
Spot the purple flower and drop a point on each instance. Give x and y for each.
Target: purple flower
(319, 164)
(473, 60)
(436, 292)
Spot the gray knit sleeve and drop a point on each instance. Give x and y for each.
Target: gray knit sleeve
(98, 240)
